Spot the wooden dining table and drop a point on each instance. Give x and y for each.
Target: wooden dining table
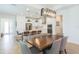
(41, 43)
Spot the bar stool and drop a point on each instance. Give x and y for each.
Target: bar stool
(26, 33)
(39, 31)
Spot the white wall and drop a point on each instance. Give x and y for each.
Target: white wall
(21, 20)
(20, 23)
(71, 23)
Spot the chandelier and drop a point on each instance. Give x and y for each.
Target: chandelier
(48, 12)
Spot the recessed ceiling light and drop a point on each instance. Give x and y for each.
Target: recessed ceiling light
(27, 9)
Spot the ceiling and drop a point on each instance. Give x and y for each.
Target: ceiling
(34, 9)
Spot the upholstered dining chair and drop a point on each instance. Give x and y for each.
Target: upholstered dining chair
(24, 48)
(63, 45)
(55, 47)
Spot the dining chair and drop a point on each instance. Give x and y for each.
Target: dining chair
(24, 48)
(63, 45)
(55, 47)
(34, 49)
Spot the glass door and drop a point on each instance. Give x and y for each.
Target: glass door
(8, 26)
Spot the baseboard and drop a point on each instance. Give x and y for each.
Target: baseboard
(75, 42)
